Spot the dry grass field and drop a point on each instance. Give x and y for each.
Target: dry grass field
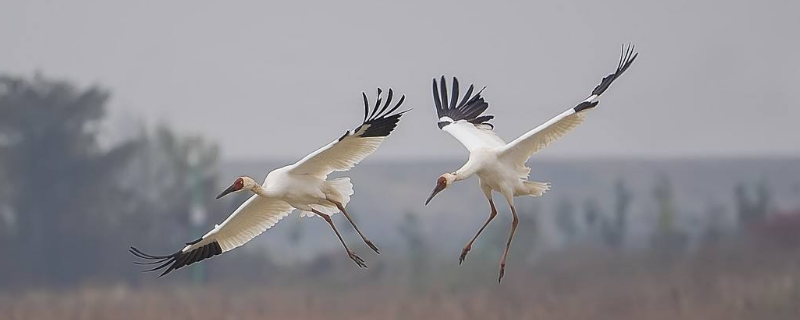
(708, 284)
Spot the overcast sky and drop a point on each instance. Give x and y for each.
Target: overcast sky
(279, 79)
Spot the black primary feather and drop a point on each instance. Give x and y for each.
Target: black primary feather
(377, 104)
(436, 100)
(380, 122)
(386, 105)
(402, 98)
(469, 109)
(366, 105)
(625, 60)
(177, 260)
(443, 86)
(585, 105)
(455, 93)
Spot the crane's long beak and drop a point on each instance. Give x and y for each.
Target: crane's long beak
(434, 193)
(230, 189)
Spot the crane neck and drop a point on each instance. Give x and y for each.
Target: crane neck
(465, 171)
(259, 190)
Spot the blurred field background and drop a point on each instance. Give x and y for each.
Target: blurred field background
(707, 238)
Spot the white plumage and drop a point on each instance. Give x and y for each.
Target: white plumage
(500, 166)
(517, 152)
(471, 136)
(302, 186)
(252, 218)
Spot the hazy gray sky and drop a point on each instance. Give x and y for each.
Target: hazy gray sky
(269, 79)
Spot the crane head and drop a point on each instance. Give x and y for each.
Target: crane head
(441, 183)
(238, 185)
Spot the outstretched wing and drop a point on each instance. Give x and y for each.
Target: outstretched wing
(464, 120)
(252, 218)
(519, 150)
(352, 147)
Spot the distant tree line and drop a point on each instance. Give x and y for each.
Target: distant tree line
(70, 205)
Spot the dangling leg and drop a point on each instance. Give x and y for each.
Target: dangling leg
(510, 237)
(363, 237)
(353, 256)
(488, 193)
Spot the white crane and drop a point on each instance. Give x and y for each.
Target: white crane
(302, 186)
(500, 166)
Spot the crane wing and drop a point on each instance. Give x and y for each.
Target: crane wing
(472, 136)
(463, 120)
(252, 218)
(352, 147)
(519, 150)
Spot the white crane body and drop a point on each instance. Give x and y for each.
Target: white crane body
(307, 193)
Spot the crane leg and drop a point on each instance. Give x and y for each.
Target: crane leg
(363, 237)
(469, 244)
(353, 255)
(514, 224)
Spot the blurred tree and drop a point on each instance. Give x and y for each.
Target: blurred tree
(410, 229)
(668, 238)
(665, 204)
(77, 203)
(592, 213)
(565, 219)
(59, 183)
(7, 231)
(752, 210)
(614, 229)
(6, 216)
(715, 228)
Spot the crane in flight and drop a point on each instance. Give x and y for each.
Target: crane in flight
(500, 166)
(303, 186)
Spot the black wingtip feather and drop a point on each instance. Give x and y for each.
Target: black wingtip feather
(377, 104)
(386, 105)
(436, 100)
(455, 94)
(626, 58)
(402, 98)
(380, 123)
(470, 108)
(585, 105)
(177, 260)
(366, 105)
(443, 89)
(467, 95)
(381, 127)
(346, 133)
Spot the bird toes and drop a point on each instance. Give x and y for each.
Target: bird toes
(372, 246)
(463, 254)
(360, 262)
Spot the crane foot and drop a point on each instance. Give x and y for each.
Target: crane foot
(464, 254)
(360, 262)
(372, 246)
